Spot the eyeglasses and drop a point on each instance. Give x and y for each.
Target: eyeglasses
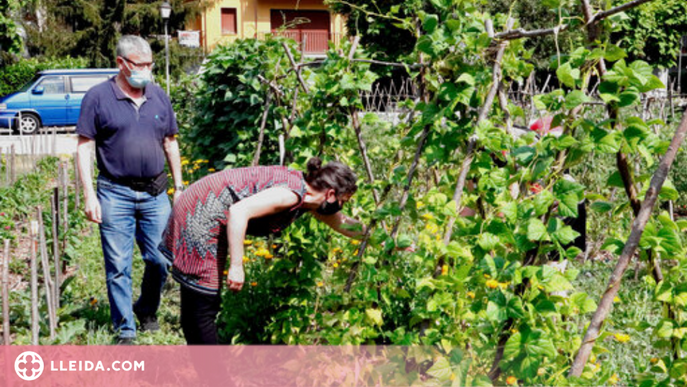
(140, 66)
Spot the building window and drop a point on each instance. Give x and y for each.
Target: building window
(228, 21)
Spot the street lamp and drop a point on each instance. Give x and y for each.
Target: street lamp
(165, 11)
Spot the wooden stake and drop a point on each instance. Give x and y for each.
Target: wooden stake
(6, 295)
(54, 141)
(606, 303)
(13, 154)
(55, 212)
(65, 200)
(263, 123)
(34, 284)
(296, 68)
(47, 281)
(77, 185)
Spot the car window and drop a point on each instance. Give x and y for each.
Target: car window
(83, 83)
(28, 84)
(52, 85)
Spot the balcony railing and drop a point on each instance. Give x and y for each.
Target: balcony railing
(309, 42)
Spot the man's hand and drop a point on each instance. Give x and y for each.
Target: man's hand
(93, 210)
(235, 278)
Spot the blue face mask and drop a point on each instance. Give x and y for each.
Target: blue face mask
(139, 78)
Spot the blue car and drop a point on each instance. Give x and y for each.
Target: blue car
(51, 98)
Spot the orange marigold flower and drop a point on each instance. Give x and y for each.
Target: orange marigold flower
(492, 284)
(511, 380)
(253, 284)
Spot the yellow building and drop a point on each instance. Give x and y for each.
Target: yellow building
(310, 22)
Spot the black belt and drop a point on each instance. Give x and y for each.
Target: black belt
(153, 185)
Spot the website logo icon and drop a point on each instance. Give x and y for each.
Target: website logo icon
(28, 366)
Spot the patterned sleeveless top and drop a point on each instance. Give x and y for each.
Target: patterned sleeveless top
(195, 240)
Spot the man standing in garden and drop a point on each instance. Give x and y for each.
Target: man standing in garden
(131, 125)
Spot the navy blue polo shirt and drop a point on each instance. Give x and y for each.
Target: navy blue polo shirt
(129, 141)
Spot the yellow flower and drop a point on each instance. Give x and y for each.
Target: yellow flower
(262, 252)
(185, 182)
(503, 285)
(616, 299)
(197, 161)
(269, 255)
(592, 358)
(444, 270)
(206, 161)
(613, 379)
(356, 252)
(274, 247)
(94, 301)
(453, 376)
(253, 284)
(487, 276)
(511, 380)
(471, 295)
(211, 169)
(432, 228)
(335, 265)
(355, 242)
(245, 259)
(492, 284)
(226, 272)
(170, 191)
(653, 360)
(513, 331)
(247, 242)
(622, 338)
(320, 284)
(419, 205)
(427, 216)
(336, 250)
(184, 162)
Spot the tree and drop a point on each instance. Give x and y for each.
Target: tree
(10, 39)
(652, 32)
(90, 29)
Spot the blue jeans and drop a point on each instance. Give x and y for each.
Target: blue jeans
(127, 214)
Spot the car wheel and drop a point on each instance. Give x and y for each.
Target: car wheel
(28, 124)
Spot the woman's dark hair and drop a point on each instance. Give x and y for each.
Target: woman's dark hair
(334, 175)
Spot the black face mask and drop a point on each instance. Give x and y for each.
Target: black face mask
(329, 208)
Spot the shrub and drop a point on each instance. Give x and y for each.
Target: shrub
(16, 75)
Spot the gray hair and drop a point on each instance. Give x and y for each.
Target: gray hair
(131, 44)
